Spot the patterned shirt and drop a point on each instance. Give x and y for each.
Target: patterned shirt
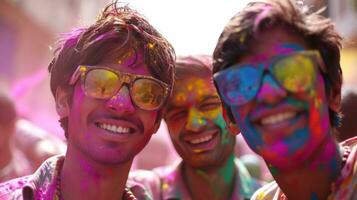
(345, 188)
(167, 182)
(42, 184)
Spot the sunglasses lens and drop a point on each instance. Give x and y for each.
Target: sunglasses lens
(147, 94)
(296, 73)
(101, 83)
(240, 85)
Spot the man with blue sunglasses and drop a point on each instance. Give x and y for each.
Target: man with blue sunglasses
(277, 71)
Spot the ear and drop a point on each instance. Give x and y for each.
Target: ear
(156, 126)
(62, 106)
(231, 126)
(334, 99)
(158, 120)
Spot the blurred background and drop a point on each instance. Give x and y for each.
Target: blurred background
(28, 28)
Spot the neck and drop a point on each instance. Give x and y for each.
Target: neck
(84, 178)
(213, 183)
(312, 180)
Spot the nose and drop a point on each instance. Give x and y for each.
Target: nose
(195, 121)
(270, 92)
(121, 102)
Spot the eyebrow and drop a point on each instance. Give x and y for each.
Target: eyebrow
(208, 97)
(205, 98)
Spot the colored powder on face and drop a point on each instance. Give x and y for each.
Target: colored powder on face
(224, 131)
(287, 48)
(195, 119)
(294, 181)
(297, 140)
(253, 137)
(129, 58)
(197, 85)
(122, 98)
(270, 89)
(181, 97)
(272, 155)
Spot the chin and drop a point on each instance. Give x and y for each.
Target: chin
(202, 165)
(289, 162)
(204, 161)
(111, 158)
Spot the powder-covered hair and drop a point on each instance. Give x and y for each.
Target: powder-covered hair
(193, 64)
(198, 65)
(117, 32)
(317, 31)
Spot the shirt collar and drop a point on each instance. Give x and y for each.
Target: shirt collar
(173, 185)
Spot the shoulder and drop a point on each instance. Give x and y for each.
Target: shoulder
(154, 181)
(352, 142)
(345, 187)
(148, 181)
(248, 185)
(144, 176)
(269, 191)
(246, 179)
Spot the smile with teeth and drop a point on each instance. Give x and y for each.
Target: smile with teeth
(277, 118)
(114, 128)
(201, 140)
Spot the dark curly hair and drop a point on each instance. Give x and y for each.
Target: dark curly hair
(318, 32)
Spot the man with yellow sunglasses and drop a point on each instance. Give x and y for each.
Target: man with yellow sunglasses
(110, 81)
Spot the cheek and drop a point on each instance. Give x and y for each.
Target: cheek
(251, 136)
(174, 126)
(319, 117)
(216, 116)
(80, 104)
(148, 118)
(174, 136)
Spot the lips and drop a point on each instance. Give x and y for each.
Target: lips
(203, 141)
(115, 129)
(277, 118)
(278, 122)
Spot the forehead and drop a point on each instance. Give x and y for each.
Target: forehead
(130, 60)
(271, 42)
(193, 89)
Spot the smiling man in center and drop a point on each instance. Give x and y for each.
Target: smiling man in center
(208, 169)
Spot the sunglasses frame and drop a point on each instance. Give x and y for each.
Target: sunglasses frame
(128, 79)
(267, 66)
